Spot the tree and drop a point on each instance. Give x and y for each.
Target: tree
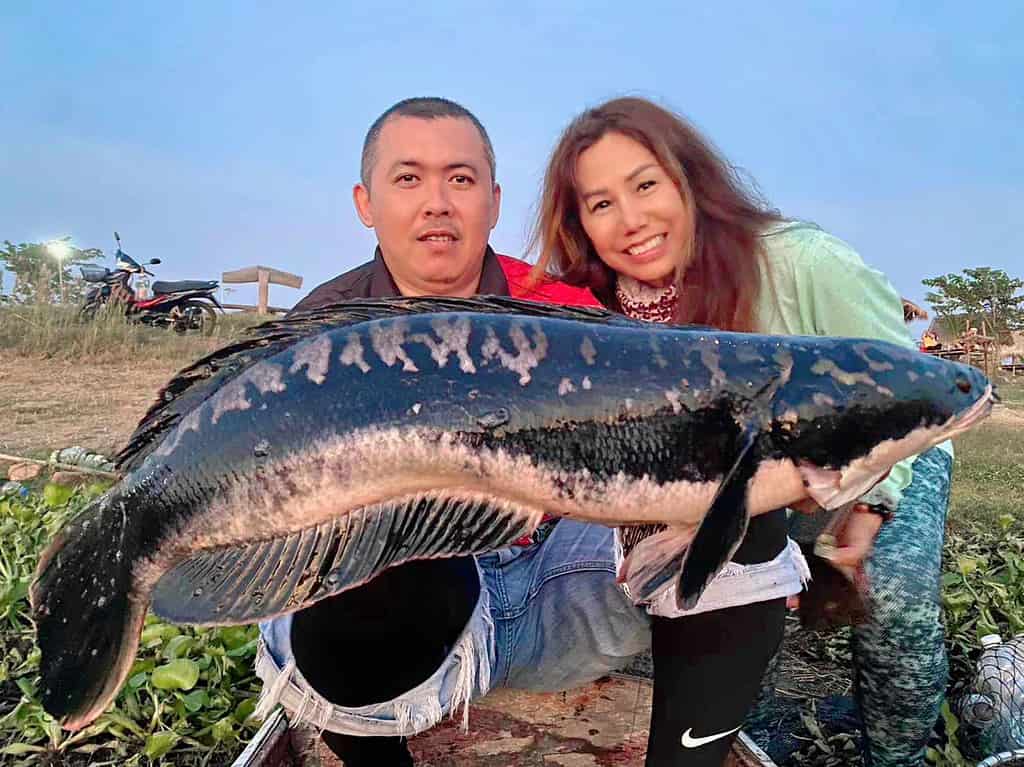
(39, 274)
(979, 295)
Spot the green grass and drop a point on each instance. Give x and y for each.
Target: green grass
(1011, 391)
(988, 474)
(56, 332)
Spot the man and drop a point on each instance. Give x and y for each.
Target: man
(375, 664)
(427, 189)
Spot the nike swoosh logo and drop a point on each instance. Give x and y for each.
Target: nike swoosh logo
(691, 742)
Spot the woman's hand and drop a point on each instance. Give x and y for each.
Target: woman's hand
(853, 534)
(855, 539)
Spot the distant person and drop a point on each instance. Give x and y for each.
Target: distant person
(638, 207)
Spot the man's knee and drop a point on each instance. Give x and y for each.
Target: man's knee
(380, 640)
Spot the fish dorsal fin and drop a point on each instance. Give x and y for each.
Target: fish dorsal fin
(723, 527)
(200, 380)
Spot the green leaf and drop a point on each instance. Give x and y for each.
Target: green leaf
(57, 495)
(17, 749)
(195, 700)
(967, 565)
(249, 648)
(179, 674)
(160, 743)
(125, 722)
(178, 646)
(158, 632)
(27, 687)
(245, 709)
(950, 720)
(235, 636)
(223, 729)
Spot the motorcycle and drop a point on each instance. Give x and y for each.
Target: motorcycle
(183, 306)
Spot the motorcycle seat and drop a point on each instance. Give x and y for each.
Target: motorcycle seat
(182, 286)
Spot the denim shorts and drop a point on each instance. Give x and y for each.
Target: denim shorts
(550, 617)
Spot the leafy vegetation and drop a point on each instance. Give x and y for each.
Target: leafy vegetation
(44, 272)
(982, 584)
(189, 697)
(982, 295)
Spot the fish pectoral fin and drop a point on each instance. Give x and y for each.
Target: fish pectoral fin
(723, 527)
(653, 564)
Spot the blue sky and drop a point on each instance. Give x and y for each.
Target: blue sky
(219, 135)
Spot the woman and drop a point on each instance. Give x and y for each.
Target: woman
(638, 207)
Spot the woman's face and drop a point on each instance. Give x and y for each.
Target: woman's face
(632, 211)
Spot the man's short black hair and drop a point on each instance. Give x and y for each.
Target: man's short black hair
(425, 108)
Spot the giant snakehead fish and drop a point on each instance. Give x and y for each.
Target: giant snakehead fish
(328, 446)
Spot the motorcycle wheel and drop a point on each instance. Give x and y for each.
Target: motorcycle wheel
(87, 313)
(194, 316)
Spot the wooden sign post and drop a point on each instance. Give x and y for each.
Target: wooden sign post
(263, 276)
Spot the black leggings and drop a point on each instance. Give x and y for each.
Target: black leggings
(376, 642)
(707, 673)
(708, 667)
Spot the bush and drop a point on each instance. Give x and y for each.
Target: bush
(189, 697)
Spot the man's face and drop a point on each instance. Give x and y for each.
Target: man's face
(432, 202)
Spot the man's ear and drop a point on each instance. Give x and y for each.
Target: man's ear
(496, 208)
(361, 198)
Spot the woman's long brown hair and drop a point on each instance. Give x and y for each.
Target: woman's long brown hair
(720, 287)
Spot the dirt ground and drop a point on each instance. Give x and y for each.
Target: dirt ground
(51, 404)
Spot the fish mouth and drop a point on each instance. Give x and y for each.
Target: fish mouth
(973, 415)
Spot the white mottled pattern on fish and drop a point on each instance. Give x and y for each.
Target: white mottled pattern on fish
(659, 358)
(710, 357)
(315, 356)
(829, 367)
(388, 339)
(352, 354)
(588, 351)
(528, 354)
(453, 339)
(191, 422)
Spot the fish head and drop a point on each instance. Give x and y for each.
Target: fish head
(852, 409)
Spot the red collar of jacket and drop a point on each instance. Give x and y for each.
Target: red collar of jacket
(499, 276)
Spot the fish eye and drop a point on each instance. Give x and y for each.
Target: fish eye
(963, 384)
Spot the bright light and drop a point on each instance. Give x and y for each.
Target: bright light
(59, 249)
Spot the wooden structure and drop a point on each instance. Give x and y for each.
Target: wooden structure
(263, 276)
(912, 311)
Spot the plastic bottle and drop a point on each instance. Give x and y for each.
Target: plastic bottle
(992, 709)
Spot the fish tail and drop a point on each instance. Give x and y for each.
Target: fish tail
(87, 625)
